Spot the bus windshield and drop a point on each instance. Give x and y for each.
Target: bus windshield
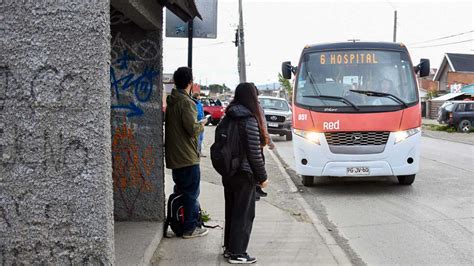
(365, 78)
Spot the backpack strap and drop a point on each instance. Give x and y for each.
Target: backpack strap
(212, 226)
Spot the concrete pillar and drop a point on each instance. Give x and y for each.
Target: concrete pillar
(56, 194)
(137, 130)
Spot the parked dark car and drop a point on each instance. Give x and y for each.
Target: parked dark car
(459, 114)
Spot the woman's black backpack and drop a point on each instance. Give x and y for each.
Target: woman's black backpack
(226, 150)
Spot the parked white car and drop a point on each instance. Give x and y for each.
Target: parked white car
(278, 115)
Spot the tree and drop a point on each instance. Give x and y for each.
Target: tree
(226, 89)
(215, 88)
(286, 85)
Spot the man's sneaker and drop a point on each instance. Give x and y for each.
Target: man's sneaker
(241, 259)
(261, 192)
(196, 233)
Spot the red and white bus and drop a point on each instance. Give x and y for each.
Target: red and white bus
(356, 111)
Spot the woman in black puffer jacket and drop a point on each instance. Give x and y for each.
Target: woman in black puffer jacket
(239, 189)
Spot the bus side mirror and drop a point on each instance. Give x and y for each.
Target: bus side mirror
(423, 67)
(286, 69)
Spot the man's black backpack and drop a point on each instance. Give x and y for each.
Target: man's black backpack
(175, 215)
(226, 150)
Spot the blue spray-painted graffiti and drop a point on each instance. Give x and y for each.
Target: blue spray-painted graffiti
(123, 60)
(142, 85)
(134, 110)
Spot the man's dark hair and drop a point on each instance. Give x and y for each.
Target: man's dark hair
(182, 77)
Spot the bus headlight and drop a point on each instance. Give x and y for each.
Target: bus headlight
(309, 135)
(403, 135)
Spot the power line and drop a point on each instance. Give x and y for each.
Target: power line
(391, 4)
(442, 44)
(444, 37)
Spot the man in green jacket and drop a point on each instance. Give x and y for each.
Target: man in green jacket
(181, 137)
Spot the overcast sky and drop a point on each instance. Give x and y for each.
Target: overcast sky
(276, 31)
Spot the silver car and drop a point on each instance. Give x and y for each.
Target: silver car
(278, 115)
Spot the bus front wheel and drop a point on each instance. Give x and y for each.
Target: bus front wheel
(307, 180)
(406, 179)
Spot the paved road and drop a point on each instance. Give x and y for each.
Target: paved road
(295, 240)
(430, 222)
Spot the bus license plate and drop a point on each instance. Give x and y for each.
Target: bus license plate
(358, 171)
(273, 124)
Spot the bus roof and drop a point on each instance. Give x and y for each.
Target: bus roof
(356, 45)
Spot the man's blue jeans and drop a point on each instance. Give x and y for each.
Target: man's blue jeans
(187, 181)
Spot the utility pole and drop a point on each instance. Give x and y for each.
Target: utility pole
(395, 26)
(241, 46)
(190, 43)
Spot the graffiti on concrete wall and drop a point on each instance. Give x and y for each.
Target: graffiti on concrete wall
(134, 81)
(143, 50)
(47, 152)
(132, 167)
(46, 86)
(42, 149)
(117, 17)
(124, 79)
(44, 158)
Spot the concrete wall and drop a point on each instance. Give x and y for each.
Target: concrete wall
(137, 130)
(55, 143)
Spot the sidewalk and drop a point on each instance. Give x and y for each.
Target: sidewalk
(426, 121)
(282, 234)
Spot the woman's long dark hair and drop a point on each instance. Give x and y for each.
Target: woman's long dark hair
(246, 95)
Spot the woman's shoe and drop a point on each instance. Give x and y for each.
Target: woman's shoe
(242, 259)
(260, 191)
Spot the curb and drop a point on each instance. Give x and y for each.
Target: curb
(426, 133)
(337, 252)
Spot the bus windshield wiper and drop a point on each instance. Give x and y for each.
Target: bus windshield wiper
(381, 94)
(334, 98)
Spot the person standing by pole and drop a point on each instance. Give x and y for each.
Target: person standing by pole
(200, 116)
(182, 130)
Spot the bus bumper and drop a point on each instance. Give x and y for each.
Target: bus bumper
(317, 159)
